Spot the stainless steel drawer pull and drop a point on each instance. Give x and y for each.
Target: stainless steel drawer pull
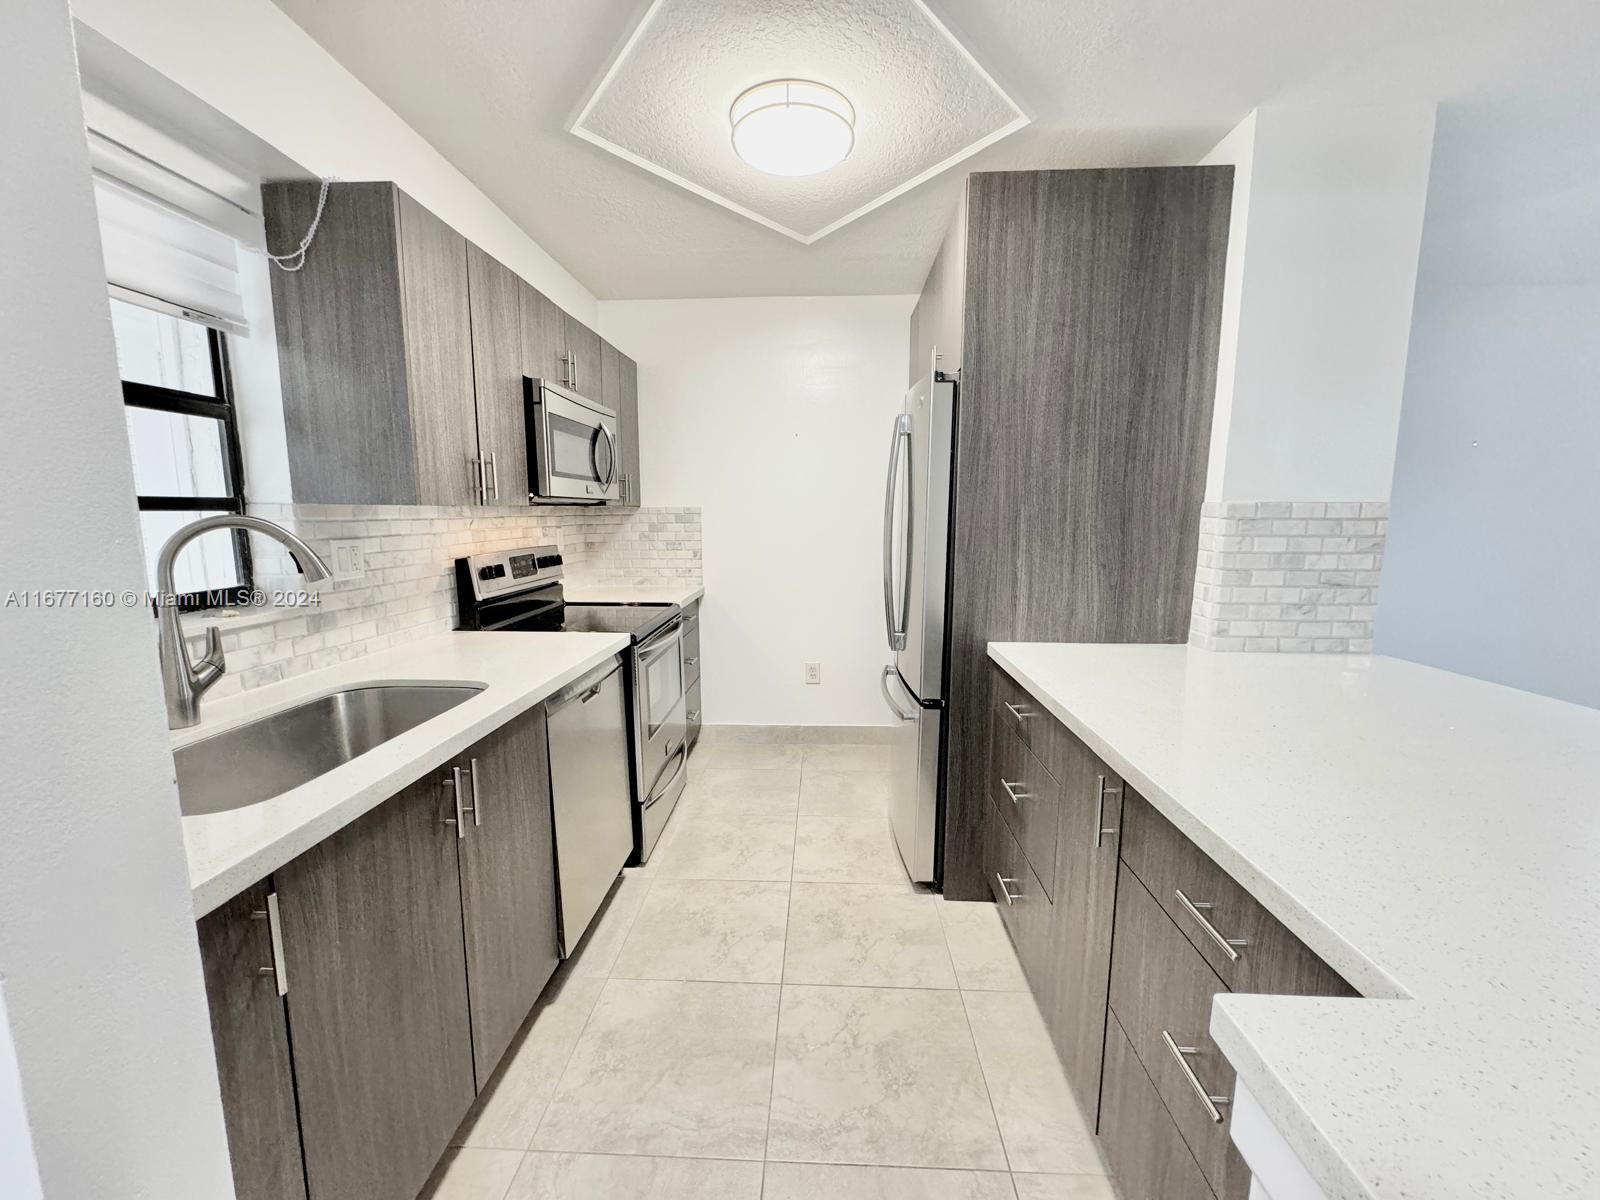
(477, 801)
(1198, 909)
(1011, 790)
(279, 972)
(1005, 889)
(691, 662)
(1017, 711)
(1100, 826)
(692, 716)
(1182, 1054)
(459, 820)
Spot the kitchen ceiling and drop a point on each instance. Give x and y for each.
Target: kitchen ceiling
(922, 103)
(497, 85)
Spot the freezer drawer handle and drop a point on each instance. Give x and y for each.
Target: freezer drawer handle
(1182, 1054)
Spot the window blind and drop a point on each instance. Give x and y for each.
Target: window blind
(161, 257)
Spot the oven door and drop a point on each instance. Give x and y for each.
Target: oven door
(661, 679)
(572, 443)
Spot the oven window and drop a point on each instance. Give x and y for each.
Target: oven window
(663, 686)
(572, 448)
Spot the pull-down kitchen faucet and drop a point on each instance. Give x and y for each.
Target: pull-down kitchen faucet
(186, 682)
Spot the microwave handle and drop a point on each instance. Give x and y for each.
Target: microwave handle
(611, 447)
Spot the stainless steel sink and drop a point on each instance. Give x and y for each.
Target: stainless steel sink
(266, 758)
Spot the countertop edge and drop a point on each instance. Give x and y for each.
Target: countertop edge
(211, 891)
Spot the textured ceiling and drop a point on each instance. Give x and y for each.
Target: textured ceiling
(496, 85)
(922, 103)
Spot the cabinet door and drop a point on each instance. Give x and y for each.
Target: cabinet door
(508, 884)
(628, 423)
(438, 324)
(1079, 951)
(496, 299)
(544, 337)
(619, 391)
(378, 997)
(251, 1037)
(584, 345)
(1146, 1152)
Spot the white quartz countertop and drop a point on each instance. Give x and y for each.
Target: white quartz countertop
(230, 851)
(1434, 838)
(585, 591)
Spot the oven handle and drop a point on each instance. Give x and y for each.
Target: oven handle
(682, 754)
(660, 642)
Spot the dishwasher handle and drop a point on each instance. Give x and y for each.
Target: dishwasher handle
(584, 689)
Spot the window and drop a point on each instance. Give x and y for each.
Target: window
(184, 437)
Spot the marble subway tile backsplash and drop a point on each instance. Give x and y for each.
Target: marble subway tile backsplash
(408, 588)
(1288, 576)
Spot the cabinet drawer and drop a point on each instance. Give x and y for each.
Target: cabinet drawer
(1024, 907)
(1146, 1152)
(1161, 988)
(1027, 796)
(1016, 710)
(1248, 947)
(691, 645)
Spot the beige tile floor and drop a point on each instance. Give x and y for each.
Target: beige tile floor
(769, 1011)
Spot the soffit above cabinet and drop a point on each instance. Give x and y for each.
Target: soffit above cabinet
(922, 102)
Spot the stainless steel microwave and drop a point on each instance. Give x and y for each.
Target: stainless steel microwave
(572, 445)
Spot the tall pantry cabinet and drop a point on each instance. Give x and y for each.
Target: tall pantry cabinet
(1082, 310)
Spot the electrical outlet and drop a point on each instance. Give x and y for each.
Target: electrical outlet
(813, 672)
(349, 562)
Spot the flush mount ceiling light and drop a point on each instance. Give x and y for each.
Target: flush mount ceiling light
(792, 127)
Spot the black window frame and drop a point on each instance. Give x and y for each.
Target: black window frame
(218, 407)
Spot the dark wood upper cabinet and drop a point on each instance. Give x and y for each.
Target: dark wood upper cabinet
(251, 1035)
(508, 884)
(378, 997)
(544, 337)
(583, 344)
(497, 371)
(619, 391)
(1090, 307)
(374, 348)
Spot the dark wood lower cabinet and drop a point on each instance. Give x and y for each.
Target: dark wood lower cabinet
(251, 1035)
(378, 997)
(1120, 969)
(508, 888)
(1146, 1153)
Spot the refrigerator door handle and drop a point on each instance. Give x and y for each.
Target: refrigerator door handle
(888, 696)
(899, 454)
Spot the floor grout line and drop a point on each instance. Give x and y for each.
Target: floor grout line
(987, 1090)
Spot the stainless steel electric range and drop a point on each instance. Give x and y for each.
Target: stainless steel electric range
(520, 591)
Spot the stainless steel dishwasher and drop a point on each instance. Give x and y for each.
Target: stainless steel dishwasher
(591, 794)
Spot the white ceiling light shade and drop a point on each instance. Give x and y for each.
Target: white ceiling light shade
(792, 127)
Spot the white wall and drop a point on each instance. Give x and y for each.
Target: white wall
(1317, 300)
(773, 415)
(97, 942)
(1493, 563)
(251, 62)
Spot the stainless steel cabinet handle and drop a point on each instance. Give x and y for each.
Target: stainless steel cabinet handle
(1198, 909)
(455, 784)
(693, 716)
(1004, 889)
(477, 799)
(691, 662)
(494, 476)
(1017, 711)
(477, 470)
(1011, 790)
(277, 970)
(1182, 1054)
(1100, 826)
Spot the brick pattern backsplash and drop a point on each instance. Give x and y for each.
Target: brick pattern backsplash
(408, 589)
(1288, 576)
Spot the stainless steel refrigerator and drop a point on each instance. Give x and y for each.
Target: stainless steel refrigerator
(916, 534)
